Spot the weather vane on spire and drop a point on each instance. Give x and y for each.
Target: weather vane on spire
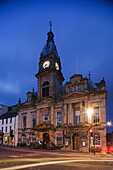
(50, 24)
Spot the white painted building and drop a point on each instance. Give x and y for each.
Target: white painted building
(8, 123)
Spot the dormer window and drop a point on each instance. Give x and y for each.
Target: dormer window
(29, 99)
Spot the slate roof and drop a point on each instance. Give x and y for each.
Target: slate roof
(9, 114)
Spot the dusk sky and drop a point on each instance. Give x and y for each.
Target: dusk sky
(85, 25)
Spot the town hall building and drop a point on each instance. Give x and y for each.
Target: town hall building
(63, 114)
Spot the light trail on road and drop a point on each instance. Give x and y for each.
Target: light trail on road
(51, 163)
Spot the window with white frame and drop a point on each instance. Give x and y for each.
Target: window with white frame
(6, 120)
(59, 140)
(59, 118)
(96, 118)
(77, 117)
(45, 116)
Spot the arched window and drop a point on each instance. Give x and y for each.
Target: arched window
(45, 89)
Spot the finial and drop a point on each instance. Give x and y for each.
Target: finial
(19, 101)
(50, 24)
(33, 89)
(89, 75)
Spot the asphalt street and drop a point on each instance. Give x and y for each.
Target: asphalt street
(24, 158)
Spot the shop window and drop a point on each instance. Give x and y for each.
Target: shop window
(45, 89)
(24, 121)
(45, 116)
(59, 141)
(34, 120)
(59, 118)
(96, 115)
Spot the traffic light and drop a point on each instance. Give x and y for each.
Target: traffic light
(91, 132)
(11, 133)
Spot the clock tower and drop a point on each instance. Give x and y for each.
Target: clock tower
(49, 75)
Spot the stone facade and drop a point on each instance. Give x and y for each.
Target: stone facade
(59, 113)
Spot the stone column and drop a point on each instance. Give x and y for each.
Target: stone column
(86, 106)
(38, 117)
(70, 113)
(81, 113)
(52, 115)
(65, 113)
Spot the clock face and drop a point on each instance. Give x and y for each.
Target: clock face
(46, 64)
(56, 66)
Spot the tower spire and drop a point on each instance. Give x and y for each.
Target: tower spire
(89, 75)
(50, 24)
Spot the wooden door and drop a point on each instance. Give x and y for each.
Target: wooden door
(76, 142)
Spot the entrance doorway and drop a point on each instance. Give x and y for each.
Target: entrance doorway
(45, 139)
(75, 141)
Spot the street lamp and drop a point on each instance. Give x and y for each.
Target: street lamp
(109, 123)
(89, 113)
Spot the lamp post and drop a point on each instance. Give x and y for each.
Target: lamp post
(89, 113)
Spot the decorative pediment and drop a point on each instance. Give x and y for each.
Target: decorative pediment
(45, 100)
(76, 94)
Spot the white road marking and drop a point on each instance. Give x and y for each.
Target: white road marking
(50, 163)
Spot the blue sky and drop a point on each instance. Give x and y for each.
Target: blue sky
(77, 24)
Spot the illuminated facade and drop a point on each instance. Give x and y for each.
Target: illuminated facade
(58, 113)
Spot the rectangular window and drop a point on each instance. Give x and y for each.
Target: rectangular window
(6, 120)
(69, 90)
(74, 88)
(2, 121)
(11, 120)
(34, 120)
(45, 116)
(24, 121)
(82, 87)
(77, 117)
(59, 140)
(6, 129)
(96, 115)
(78, 88)
(2, 129)
(59, 118)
